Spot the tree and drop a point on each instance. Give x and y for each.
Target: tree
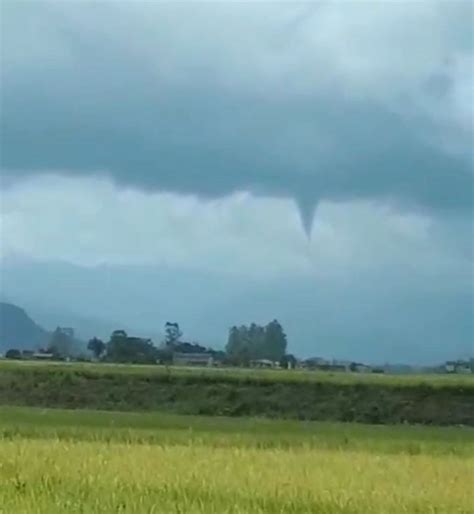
(288, 361)
(275, 341)
(238, 348)
(97, 347)
(13, 353)
(173, 333)
(61, 343)
(233, 341)
(256, 342)
(122, 348)
(116, 348)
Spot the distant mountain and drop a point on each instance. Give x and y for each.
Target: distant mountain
(18, 330)
(85, 326)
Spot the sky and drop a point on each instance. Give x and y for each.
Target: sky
(222, 163)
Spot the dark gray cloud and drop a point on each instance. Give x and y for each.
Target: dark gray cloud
(173, 98)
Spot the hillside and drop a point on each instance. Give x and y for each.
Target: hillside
(18, 330)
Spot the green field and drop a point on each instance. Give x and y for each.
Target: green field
(154, 457)
(58, 461)
(245, 374)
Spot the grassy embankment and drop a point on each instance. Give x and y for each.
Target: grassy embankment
(424, 399)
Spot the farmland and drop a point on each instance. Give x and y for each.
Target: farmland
(301, 395)
(56, 461)
(245, 374)
(98, 439)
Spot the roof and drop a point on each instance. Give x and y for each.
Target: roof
(192, 356)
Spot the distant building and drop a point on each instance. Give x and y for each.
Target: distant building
(264, 363)
(193, 359)
(450, 367)
(378, 370)
(315, 363)
(138, 340)
(335, 367)
(358, 367)
(184, 347)
(461, 367)
(36, 355)
(43, 356)
(318, 363)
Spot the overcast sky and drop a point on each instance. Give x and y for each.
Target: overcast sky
(227, 162)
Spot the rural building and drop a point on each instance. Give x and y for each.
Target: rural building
(461, 367)
(43, 356)
(193, 359)
(318, 363)
(138, 340)
(264, 363)
(37, 355)
(358, 367)
(315, 363)
(335, 367)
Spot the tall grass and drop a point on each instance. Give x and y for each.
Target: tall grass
(55, 476)
(57, 462)
(217, 432)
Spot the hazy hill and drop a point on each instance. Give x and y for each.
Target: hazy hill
(18, 330)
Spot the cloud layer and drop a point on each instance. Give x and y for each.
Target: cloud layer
(321, 101)
(155, 157)
(375, 283)
(90, 222)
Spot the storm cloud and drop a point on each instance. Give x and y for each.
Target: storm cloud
(334, 100)
(160, 160)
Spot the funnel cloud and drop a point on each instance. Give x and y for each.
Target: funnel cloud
(158, 140)
(272, 99)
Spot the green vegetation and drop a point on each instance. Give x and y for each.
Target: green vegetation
(54, 461)
(247, 375)
(123, 348)
(436, 400)
(62, 343)
(171, 430)
(246, 343)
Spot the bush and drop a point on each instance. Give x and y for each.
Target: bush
(13, 353)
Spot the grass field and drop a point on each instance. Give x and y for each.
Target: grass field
(58, 461)
(242, 374)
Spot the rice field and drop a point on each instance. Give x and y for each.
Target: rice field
(440, 380)
(57, 461)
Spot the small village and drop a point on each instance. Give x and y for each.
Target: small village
(123, 348)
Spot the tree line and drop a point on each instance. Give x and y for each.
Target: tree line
(256, 342)
(245, 343)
